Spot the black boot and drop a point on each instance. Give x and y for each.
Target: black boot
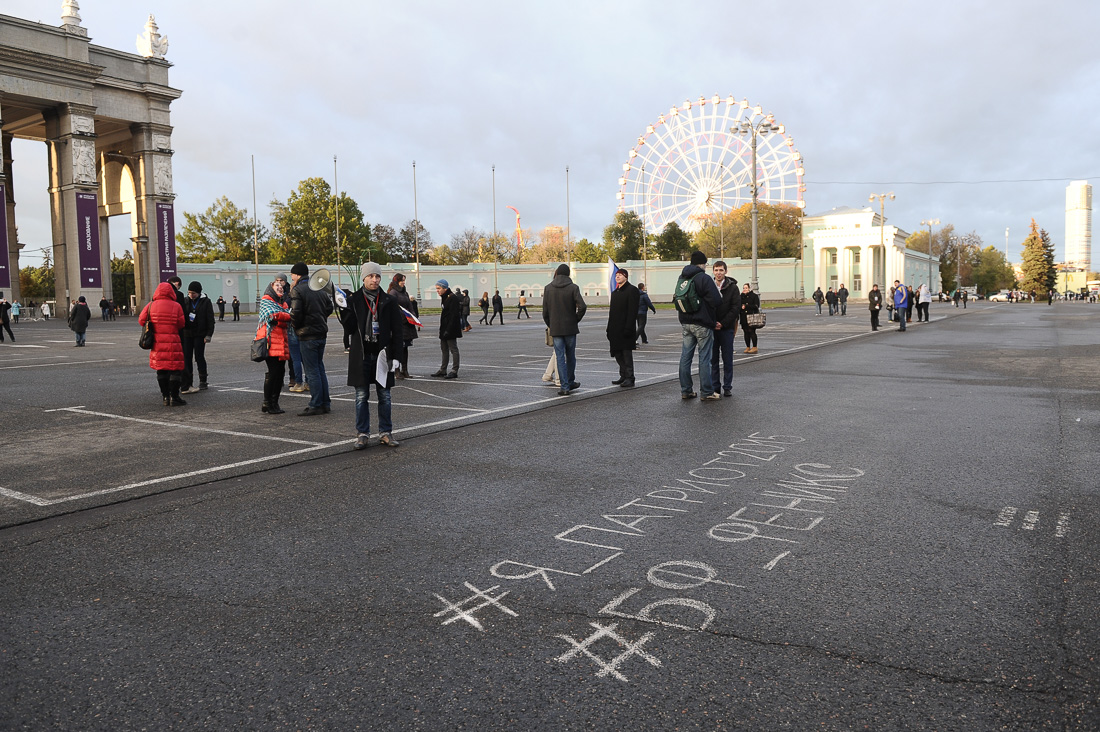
(273, 399)
(266, 406)
(175, 400)
(165, 390)
(202, 381)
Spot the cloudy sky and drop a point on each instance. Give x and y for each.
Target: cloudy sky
(978, 113)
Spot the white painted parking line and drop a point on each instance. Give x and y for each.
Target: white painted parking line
(29, 345)
(67, 363)
(179, 476)
(177, 425)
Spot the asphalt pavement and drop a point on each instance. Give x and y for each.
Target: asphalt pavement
(879, 530)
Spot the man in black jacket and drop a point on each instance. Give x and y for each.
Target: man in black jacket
(874, 300)
(498, 308)
(198, 329)
(622, 327)
(374, 324)
(562, 310)
(725, 328)
(450, 329)
(309, 311)
(698, 329)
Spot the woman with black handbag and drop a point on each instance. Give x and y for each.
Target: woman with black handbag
(272, 328)
(750, 305)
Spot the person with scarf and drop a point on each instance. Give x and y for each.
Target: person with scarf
(408, 333)
(274, 318)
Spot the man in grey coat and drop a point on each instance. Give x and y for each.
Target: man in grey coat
(562, 310)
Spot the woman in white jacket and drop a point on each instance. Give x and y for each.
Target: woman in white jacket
(924, 299)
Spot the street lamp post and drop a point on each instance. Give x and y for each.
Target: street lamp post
(416, 235)
(567, 252)
(645, 258)
(496, 284)
(882, 225)
(763, 127)
(930, 223)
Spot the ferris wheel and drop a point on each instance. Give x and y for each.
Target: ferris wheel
(689, 166)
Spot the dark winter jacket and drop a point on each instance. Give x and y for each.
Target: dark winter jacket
(498, 304)
(622, 318)
(309, 311)
(465, 298)
(167, 318)
(830, 297)
(199, 314)
(79, 317)
(874, 300)
(750, 304)
(709, 298)
(356, 318)
(644, 303)
(401, 295)
(818, 296)
(562, 306)
(842, 294)
(729, 312)
(450, 320)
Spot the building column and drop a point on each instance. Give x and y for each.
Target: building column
(154, 227)
(9, 241)
(74, 204)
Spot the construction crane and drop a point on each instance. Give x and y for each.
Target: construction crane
(519, 236)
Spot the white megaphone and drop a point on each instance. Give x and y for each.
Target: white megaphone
(322, 280)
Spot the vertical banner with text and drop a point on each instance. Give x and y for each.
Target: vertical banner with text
(166, 240)
(87, 237)
(5, 255)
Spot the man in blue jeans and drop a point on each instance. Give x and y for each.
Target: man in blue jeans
(697, 321)
(901, 302)
(725, 328)
(562, 310)
(309, 311)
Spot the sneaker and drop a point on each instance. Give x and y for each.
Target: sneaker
(727, 393)
(713, 396)
(440, 373)
(575, 385)
(298, 388)
(387, 439)
(311, 411)
(547, 378)
(688, 395)
(563, 392)
(361, 441)
(303, 387)
(451, 375)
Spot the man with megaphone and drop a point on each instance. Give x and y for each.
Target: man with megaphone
(309, 311)
(373, 322)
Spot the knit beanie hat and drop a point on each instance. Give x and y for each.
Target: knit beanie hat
(300, 269)
(443, 284)
(698, 258)
(195, 286)
(370, 268)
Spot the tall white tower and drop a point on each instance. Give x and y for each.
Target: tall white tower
(1079, 225)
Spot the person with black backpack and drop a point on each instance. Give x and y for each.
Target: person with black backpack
(697, 299)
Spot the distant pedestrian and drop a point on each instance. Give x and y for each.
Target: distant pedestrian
(16, 310)
(166, 357)
(6, 309)
(79, 317)
(622, 327)
(818, 297)
(483, 303)
(726, 319)
(1050, 297)
(274, 323)
(221, 309)
(957, 296)
(924, 301)
(46, 310)
(830, 298)
(450, 330)
(522, 309)
(464, 300)
(874, 301)
(901, 303)
(910, 299)
(645, 305)
(236, 309)
(376, 324)
(696, 312)
(498, 308)
(750, 305)
(408, 332)
(562, 311)
(966, 295)
(842, 298)
(104, 309)
(111, 310)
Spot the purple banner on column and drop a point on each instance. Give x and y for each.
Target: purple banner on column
(5, 255)
(87, 237)
(166, 240)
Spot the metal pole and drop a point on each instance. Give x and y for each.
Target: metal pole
(568, 248)
(336, 183)
(416, 235)
(255, 234)
(722, 210)
(496, 284)
(755, 282)
(645, 257)
(1006, 245)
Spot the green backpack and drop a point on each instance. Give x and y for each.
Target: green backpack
(686, 298)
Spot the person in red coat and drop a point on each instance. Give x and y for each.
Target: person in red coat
(166, 357)
(273, 321)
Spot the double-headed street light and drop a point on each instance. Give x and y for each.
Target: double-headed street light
(930, 223)
(764, 127)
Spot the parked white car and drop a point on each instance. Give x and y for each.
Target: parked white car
(1001, 296)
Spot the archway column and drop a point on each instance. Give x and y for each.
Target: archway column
(9, 241)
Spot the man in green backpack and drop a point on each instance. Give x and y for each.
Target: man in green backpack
(697, 299)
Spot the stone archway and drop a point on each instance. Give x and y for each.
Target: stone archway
(104, 118)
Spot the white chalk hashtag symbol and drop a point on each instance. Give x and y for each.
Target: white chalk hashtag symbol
(608, 667)
(467, 613)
